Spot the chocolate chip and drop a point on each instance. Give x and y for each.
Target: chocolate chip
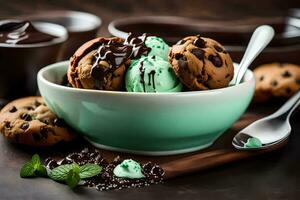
(182, 64)
(218, 48)
(298, 81)
(7, 124)
(29, 108)
(24, 126)
(199, 42)
(227, 76)
(216, 60)
(44, 132)
(46, 121)
(199, 53)
(274, 83)
(36, 136)
(261, 78)
(26, 117)
(59, 122)
(13, 109)
(37, 103)
(286, 74)
(288, 90)
(179, 56)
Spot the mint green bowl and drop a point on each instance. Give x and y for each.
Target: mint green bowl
(146, 123)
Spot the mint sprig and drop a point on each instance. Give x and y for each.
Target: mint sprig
(33, 168)
(89, 170)
(69, 173)
(60, 173)
(73, 173)
(73, 178)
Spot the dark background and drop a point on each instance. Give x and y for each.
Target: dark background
(113, 9)
(273, 176)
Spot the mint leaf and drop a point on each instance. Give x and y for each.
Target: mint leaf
(35, 160)
(60, 173)
(41, 171)
(73, 178)
(89, 170)
(27, 170)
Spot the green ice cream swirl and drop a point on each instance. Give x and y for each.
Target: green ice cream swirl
(129, 169)
(158, 47)
(151, 74)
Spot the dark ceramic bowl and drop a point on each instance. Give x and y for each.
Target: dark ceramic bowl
(233, 34)
(20, 63)
(81, 27)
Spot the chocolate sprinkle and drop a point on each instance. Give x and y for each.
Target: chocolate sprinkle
(106, 180)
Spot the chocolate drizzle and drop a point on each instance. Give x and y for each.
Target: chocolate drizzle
(12, 32)
(139, 47)
(115, 54)
(151, 75)
(106, 180)
(142, 74)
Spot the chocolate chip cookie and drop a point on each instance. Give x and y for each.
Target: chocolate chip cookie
(201, 63)
(99, 64)
(29, 121)
(276, 80)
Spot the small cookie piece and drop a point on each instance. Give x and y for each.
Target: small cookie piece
(276, 80)
(29, 121)
(201, 63)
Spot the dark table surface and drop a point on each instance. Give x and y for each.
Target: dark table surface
(272, 176)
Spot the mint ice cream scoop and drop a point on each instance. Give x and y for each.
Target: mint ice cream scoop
(129, 169)
(158, 47)
(151, 74)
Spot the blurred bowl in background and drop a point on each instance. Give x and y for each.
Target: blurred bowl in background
(20, 63)
(81, 27)
(233, 34)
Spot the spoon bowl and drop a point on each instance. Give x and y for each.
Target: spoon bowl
(268, 131)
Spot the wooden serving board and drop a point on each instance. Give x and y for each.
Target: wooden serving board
(221, 152)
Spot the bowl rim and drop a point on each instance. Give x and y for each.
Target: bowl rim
(186, 21)
(40, 26)
(50, 15)
(40, 77)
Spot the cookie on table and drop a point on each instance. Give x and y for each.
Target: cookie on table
(276, 80)
(29, 121)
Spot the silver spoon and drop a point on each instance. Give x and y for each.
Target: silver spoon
(268, 131)
(260, 38)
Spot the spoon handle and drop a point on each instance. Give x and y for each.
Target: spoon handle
(259, 40)
(289, 106)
